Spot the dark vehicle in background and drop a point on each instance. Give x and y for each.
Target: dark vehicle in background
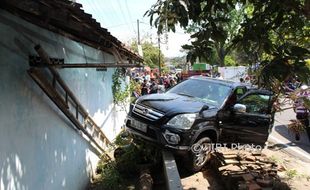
(200, 111)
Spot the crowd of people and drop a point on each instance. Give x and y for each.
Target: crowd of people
(151, 83)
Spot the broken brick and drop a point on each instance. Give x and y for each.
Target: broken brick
(250, 158)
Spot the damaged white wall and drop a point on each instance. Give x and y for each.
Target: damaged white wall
(39, 149)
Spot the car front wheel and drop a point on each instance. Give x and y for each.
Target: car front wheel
(200, 153)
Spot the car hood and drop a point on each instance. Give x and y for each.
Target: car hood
(171, 103)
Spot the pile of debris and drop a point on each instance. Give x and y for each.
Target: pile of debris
(244, 170)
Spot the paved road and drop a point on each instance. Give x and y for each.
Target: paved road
(283, 139)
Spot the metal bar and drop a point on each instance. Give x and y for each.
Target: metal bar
(173, 181)
(92, 65)
(66, 97)
(59, 63)
(54, 81)
(77, 112)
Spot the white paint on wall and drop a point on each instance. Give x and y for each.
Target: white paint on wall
(39, 146)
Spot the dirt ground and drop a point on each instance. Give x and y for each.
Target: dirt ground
(293, 171)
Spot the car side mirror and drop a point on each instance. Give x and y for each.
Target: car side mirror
(205, 107)
(239, 108)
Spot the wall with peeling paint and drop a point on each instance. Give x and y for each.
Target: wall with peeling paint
(39, 147)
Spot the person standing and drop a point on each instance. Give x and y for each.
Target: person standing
(144, 88)
(154, 87)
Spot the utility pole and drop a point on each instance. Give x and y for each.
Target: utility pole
(140, 52)
(138, 32)
(159, 66)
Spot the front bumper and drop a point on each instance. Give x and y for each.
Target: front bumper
(154, 134)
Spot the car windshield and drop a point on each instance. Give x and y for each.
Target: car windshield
(207, 91)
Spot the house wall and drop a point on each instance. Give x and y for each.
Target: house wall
(39, 147)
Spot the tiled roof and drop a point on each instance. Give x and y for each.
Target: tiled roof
(68, 19)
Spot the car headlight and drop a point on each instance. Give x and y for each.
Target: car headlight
(182, 121)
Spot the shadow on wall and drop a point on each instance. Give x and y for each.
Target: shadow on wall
(39, 147)
(65, 167)
(113, 122)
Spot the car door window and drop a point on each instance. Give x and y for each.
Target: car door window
(240, 92)
(256, 103)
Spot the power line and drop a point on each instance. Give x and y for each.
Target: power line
(96, 9)
(102, 10)
(122, 13)
(118, 25)
(129, 13)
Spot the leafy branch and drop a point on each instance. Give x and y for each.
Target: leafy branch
(122, 91)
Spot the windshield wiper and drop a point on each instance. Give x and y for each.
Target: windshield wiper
(183, 94)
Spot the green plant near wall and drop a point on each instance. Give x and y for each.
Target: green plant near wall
(122, 91)
(119, 93)
(130, 157)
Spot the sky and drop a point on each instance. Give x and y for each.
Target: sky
(120, 18)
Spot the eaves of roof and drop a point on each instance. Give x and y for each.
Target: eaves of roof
(67, 18)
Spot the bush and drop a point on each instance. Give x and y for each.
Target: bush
(130, 155)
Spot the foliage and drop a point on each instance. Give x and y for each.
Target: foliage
(272, 33)
(130, 156)
(150, 54)
(296, 126)
(215, 49)
(110, 176)
(122, 91)
(123, 139)
(274, 159)
(229, 61)
(291, 173)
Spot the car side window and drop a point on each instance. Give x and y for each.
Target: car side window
(256, 103)
(238, 92)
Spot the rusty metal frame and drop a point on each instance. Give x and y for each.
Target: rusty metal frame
(35, 61)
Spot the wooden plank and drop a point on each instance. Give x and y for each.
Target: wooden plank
(231, 161)
(229, 156)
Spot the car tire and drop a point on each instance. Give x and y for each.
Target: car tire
(200, 154)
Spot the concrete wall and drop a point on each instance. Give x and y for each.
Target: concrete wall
(39, 147)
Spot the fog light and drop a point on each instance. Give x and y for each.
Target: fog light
(171, 138)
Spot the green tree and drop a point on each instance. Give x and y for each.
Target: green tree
(150, 54)
(272, 33)
(218, 46)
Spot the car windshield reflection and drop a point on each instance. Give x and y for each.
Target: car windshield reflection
(209, 92)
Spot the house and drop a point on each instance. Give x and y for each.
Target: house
(56, 105)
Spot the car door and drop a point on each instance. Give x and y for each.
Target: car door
(250, 125)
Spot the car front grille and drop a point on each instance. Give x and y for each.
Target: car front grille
(147, 113)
